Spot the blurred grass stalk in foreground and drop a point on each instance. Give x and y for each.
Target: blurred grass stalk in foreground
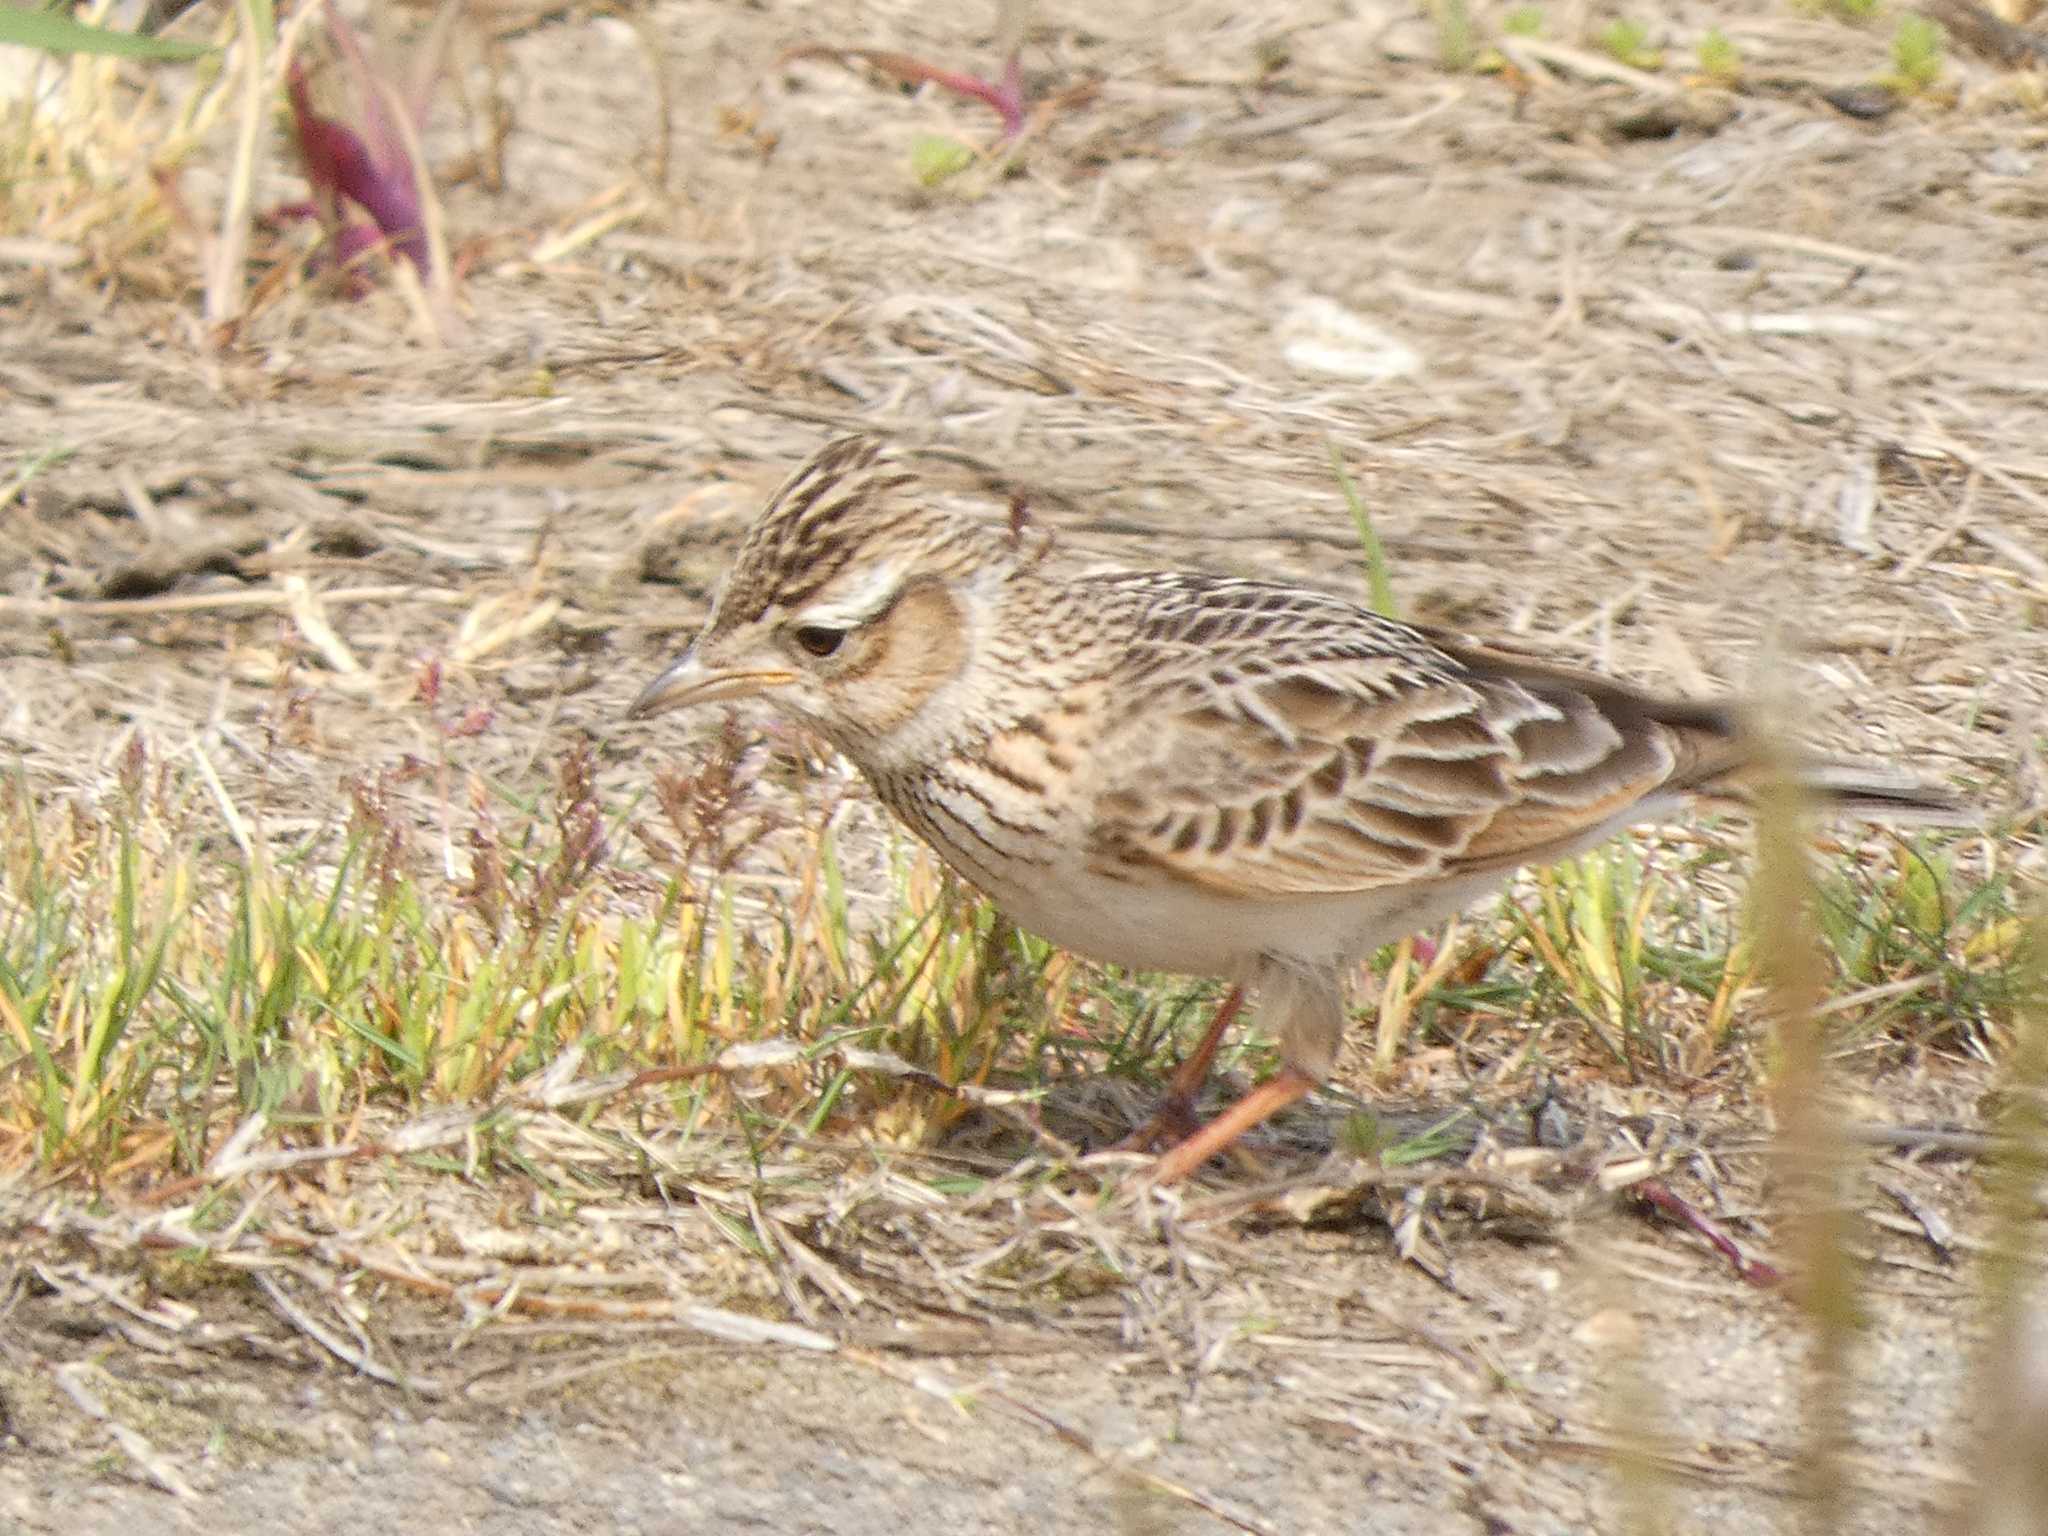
(2009, 1489)
(1813, 1152)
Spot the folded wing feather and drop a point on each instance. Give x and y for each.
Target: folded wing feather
(1346, 752)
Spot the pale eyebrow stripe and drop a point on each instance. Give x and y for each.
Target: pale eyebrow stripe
(857, 606)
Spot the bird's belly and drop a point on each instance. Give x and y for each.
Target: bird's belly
(1157, 923)
(1144, 926)
(1202, 933)
(1144, 929)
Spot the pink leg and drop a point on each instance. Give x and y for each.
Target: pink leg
(1285, 1087)
(1175, 1119)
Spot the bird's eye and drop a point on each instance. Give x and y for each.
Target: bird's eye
(818, 640)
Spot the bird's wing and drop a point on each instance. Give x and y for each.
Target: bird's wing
(1279, 742)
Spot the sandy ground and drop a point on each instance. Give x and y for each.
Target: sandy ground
(1297, 1380)
(1668, 379)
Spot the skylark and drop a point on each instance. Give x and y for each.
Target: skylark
(1179, 772)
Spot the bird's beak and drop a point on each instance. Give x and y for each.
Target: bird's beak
(689, 682)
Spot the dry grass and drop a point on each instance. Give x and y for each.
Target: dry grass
(335, 903)
(173, 962)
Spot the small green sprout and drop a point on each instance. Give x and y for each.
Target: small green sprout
(934, 158)
(1368, 537)
(1720, 59)
(1629, 42)
(1916, 54)
(1455, 47)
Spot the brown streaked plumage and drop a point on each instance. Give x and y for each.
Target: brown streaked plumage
(1172, 771)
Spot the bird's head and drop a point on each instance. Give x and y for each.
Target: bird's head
(852, 603)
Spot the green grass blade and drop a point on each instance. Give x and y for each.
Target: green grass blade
(1375, 554)
(53, 32)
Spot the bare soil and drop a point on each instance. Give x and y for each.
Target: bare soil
(1686, 380)
(1259, 1357)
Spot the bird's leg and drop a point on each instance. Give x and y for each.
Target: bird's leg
(1304, 1005)
(1175, 1120)
(1287, 1086)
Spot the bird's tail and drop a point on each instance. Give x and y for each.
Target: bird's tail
(1882, 793)
(1870, 791)
(1720, 751)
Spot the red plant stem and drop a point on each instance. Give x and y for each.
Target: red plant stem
(1659, 1196)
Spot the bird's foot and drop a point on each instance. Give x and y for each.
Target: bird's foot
(1285, 1087)
(1173, 1121)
